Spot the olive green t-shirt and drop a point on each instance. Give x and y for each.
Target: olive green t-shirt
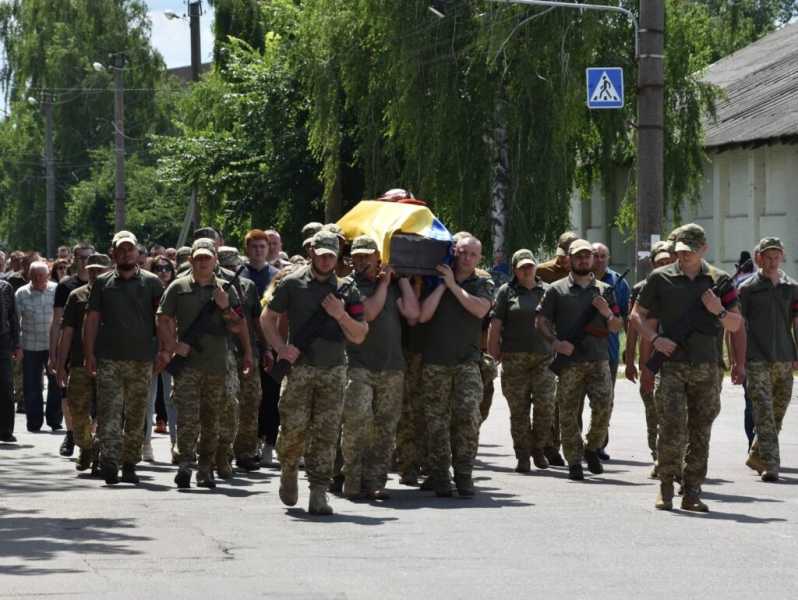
(563, 305)
(183, 301)
(127, 314)
(382, 348)
(769, 311)
(672, 294)
(652, 313)
(453, 335)
(300, 294)
(515, 307)
(74, 311)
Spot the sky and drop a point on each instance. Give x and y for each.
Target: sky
(172, 38)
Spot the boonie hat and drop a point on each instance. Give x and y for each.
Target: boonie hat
(203, 247)
(325, 242)
(124, 237)
(336, 229)
(690, 238)
(363, 244)
(523, 257)
(98, 261)
(578, 245)
(565, 241)
(228, 256)
(207, 232)
(770, 242)
(309, 230)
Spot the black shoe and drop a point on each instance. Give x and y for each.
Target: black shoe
(575, 472)
(110, 472)
(593, 462)
(337, 484)
(56, 427)
(68, 445)
(129, 473)
(553, 456)
(602, 454)
(248, 464)
(183, 479)
(9, 439)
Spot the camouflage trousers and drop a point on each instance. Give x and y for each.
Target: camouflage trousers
(525, 374)
(199, 398)
(770, 388)
(489, 371)
(123, 386)
(372, 405)
(687, 402)
(451, 397)
(249, 398)
(80, 392)
(228, 411)
(652, 420)
(311, 403)
(574, 377)
(411, 432)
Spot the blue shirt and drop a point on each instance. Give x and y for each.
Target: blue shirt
(261, 278)
(622, 294)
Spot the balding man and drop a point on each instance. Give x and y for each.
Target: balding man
(451, 379)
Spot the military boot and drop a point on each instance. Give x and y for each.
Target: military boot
(665, 496)
(205, 477)
(129, 473)
(754, 462)
(409, 478)
(691, 501)
(96, 468)
(318, 501)
(224, 470)
(377, 491)
(443, 487)
(770, 474)
(539, 458)
(183, 477)
(593, 462)
(553, 456)
(110, 472)
(84, 459)
(289, 488)
(465, 485)
(352, 486)
(575, 472)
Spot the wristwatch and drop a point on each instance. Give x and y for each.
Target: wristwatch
(722, 313)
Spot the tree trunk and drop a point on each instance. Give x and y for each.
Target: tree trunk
(500, 184)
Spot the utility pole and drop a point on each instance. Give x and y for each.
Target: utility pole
(118, 64)
(650, 129)
(49, 175)
(194, 13)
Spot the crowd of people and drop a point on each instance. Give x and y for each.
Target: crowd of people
(347, 365)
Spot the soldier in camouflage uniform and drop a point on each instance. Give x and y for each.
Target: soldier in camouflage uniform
(688, 399)
(375, 376)
(660, 256)
(311, 400)
(524, 356)
(452, 382)
(80, 387)
(588, 364)
(769, 303)
(199, 388)
(117, 346)
(411, 431)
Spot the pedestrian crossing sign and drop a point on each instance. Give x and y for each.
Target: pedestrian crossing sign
(605, 87)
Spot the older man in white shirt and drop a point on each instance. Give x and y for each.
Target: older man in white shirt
(35, 308)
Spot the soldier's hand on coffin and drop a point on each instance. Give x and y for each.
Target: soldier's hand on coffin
(446, 274)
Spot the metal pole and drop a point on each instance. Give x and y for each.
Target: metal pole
(194, 13)
(650, 129)
(49, 175)
(118, 64)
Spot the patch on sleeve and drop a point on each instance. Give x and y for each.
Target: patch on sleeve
(730, 297)
(356, 310)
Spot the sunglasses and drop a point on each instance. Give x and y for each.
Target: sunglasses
(62, 267)
(161, 268)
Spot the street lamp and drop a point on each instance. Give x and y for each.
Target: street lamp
(117, 66)
(49, 174)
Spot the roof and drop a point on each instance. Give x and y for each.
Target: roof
(184, 73)
(761, 85)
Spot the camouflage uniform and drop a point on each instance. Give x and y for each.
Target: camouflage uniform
(372, 404)
(123, 386)
(80, 393)
(652, 419)
(198, 397)
(411, 432)
(770, 386)
(452, 424)
(525, 374)
(311, 403)
(228, 416)
(249, 398)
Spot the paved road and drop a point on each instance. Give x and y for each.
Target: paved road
(65, 534)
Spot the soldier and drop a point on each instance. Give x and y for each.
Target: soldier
(117, 347)
(524, 355)
(343, 268)
(588, 365)
(311, 399)
(660, 256)
(688, 396)
(308, 231)
(80, 387)
(769, 303)
(559, 267)
(452, 382)
(373, 398)
(199, 387)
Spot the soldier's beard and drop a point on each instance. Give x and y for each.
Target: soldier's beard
(126, 266)
(580, 271)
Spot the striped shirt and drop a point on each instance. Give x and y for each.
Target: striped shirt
(9, 323)
(35, 310)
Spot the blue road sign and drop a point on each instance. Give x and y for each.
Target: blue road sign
(605, 87)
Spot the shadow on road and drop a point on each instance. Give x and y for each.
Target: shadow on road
(736, 499)
(722, 516)
(300, 514)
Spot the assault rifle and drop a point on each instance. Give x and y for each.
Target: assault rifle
(690, 320)
(583, 327)
(317, 327)
(201, 324)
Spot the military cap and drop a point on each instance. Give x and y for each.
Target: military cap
(228, 256)
(182, 254)
(672, 235)
(578, 245)
(98, 261)
(660, 250)
(565, 241)
(363, 244)
(122, 237)
(203, 247)
(309, 230)
(325, 242)
(770, 243)
(690, 238)
(523, 257)
(336, 229)
(207, 232)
